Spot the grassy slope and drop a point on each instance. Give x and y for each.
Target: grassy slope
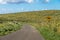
(47, 22)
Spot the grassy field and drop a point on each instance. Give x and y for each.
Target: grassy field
(47, 22)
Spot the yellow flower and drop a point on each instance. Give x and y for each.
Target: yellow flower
(48, 18)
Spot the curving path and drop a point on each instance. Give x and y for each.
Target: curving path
(26, 33)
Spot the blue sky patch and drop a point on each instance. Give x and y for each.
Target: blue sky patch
(9, 6)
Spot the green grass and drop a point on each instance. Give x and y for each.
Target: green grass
(9, 27)
(46, 22)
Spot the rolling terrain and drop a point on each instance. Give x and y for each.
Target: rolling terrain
(47, 22)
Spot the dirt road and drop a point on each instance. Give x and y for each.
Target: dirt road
(26, 33)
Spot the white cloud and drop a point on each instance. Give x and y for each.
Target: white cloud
(47, 0)
(2, 2)
(45, 9)
(15, 1)
(29, 1)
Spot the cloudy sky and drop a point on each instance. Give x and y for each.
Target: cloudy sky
(7, 6)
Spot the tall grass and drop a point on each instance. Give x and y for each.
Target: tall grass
(9, 27)
(46, 22)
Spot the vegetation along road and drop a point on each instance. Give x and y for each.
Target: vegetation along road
(26, 33)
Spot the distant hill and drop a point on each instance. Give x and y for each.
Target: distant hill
(35, 16)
